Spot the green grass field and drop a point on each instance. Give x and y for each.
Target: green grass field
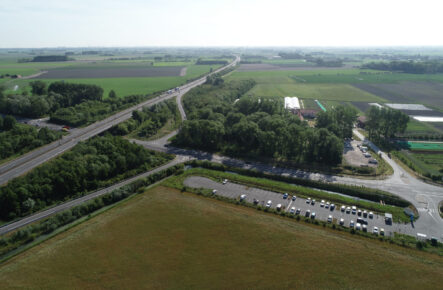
(168, 239)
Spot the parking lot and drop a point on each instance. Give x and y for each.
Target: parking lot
(234, 190)
(354, 155)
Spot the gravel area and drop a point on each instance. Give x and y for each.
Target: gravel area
(353, 155)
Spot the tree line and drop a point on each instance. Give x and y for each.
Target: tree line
(48, 58)
(95, 163)
(221, 118)
(413, 67)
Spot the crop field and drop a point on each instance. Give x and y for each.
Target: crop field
(120, 72)
(168, 239)
(279, 66)
(428, 93)
(129, 85)
(341, 76)
(332, 92)
(417, 127)
(310, 104)
(426, 162)
(438, 125)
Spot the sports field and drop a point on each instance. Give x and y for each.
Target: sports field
(168, 239)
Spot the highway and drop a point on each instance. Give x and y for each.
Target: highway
(23, 164)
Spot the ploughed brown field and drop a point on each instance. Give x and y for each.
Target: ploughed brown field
(116, 72)
(168, 239)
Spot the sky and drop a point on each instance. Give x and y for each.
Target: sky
(245, 23)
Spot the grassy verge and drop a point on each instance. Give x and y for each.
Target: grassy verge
(282, 187)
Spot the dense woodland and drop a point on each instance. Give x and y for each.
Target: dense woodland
(413, 67)
(148, 121)
(16, 139)
(384, 123)
(221, 118)
(95, 163)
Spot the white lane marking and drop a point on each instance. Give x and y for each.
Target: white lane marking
(289, 205)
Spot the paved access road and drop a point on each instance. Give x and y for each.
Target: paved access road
(34, 158)
(234, 190)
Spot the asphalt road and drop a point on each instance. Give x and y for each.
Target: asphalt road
(34, 158)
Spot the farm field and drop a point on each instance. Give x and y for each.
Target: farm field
(428, 93)
(331, 92)
(417, 127)
(426, 163)
(106, 72)
(310, 104)
(338, 76)
(168, 239)
(124, 86)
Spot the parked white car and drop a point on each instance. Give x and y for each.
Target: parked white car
(375, 230)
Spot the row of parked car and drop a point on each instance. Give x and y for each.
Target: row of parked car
(366, 154)
(360, 225)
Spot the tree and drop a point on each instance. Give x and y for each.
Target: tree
(38, 88)
(339, 120)
(112, 94)
(9, 123)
